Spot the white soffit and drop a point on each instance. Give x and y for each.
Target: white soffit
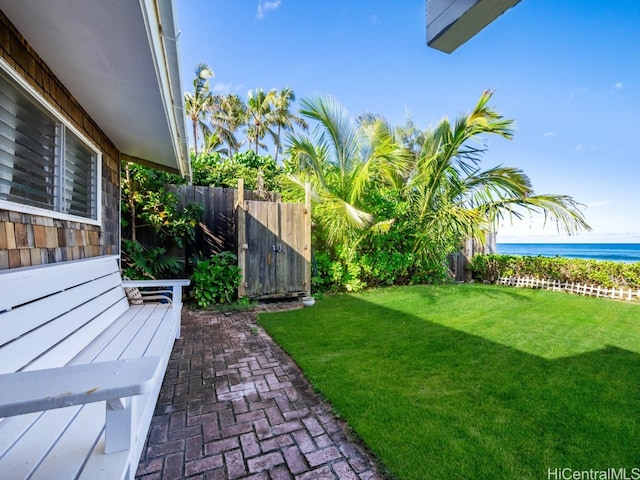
(119, 59)
(450, 23)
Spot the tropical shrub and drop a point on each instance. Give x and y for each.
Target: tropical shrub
(259, 172)
(488, 268)
(320, 277)
(374, 269)
(146, 202)
(215, 279)
(148, 263)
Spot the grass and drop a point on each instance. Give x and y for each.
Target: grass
(476, 381)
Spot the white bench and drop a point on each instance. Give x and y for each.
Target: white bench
(80, 369)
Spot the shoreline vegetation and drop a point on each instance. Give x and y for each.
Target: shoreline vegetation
(604, 273)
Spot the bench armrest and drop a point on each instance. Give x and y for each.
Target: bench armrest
(175, 285)
(39, 390)
(182, 282)
(115, 382)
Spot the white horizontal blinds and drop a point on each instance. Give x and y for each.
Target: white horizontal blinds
(29, 140)
(43, 163)
(80, 182)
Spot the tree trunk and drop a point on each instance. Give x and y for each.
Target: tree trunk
(195, 137)
(277, 145)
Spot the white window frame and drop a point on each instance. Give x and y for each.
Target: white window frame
(18, 207)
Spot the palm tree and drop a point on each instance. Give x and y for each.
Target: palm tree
(228, 114)
(453, 199)
(283, 118)
(261, 117)
(341, 160)
(197, 103)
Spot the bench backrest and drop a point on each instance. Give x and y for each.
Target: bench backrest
(48, 314)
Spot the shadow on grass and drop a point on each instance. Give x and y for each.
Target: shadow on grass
(433, 401)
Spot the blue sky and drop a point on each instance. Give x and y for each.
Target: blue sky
(567, 71)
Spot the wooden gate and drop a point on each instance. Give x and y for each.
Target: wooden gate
(274, 248)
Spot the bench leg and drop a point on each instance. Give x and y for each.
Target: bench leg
(119, 424)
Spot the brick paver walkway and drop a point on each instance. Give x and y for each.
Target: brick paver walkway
(234, 405)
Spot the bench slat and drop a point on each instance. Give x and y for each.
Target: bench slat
(103, 467)
(140, 328)
(26, 455)
(142, 344)
(71, 347)
(68, 335)
(69, 455)
(91, 352)
(106, 467)
(32, 283)
(13, 428)
(21, 320)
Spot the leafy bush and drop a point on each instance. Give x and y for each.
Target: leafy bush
(376, 268)
(259, 172)
(143, 263)
(215, 279)
(489, 268)
(145, 201)
(320, 268)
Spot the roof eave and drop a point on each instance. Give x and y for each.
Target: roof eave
(451, 23)
(163, 37)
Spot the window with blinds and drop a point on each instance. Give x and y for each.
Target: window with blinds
(43, 164)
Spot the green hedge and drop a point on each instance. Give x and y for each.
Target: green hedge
(488, 268)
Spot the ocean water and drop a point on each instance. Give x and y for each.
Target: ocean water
(616, 252)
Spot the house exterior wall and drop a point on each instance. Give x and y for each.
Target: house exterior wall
(27, 239)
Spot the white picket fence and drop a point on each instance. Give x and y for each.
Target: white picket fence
(575, 288)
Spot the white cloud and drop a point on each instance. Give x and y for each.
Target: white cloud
(222, 88)
(265, 6)
(549, 134)
(580, 147)
(578, 92)
(618, 85)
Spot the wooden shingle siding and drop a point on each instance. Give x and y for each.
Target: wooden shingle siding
(27, 239)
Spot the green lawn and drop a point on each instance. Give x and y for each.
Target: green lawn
(476, 381)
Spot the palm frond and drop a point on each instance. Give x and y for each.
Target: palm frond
(562, 210)
(335, 128)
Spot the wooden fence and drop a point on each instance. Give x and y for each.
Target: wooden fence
(216, 230)
(274, 247)
(272, 239)
(627, 294)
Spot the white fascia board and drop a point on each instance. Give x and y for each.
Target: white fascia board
(451, 23)
(159, 19)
